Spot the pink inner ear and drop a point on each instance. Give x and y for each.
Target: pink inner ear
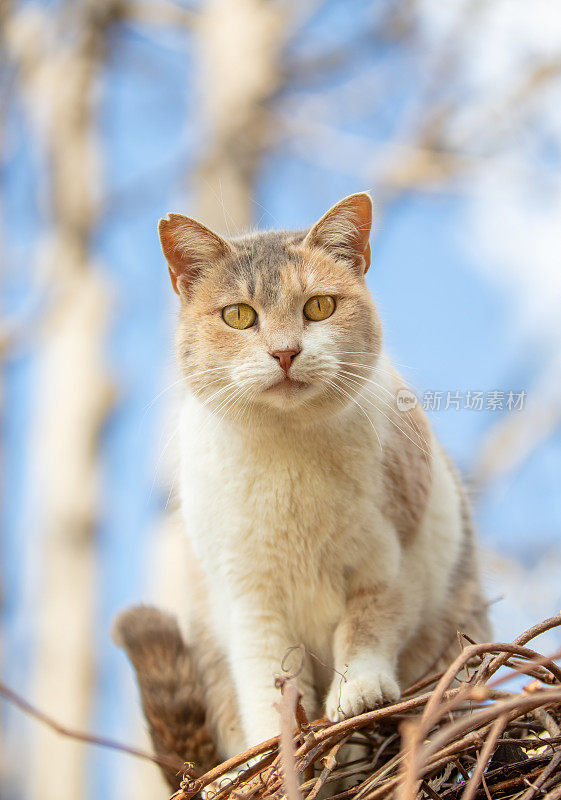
(367, 257)
(173, 278)
(362, 208)
(177, 261)
(171, 247)
(346, 227)
(187, 246)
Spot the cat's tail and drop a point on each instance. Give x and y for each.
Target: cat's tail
(170, 690)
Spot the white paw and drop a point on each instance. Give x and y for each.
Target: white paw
(360, 691)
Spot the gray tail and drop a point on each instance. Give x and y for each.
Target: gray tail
(170, 690)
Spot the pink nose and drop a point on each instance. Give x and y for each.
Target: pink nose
(285, 358)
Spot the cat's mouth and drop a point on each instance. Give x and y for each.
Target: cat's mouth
(288, 385)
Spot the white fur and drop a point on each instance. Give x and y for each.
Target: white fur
(285, 520)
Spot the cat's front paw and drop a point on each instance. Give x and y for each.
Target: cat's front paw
(360, 690)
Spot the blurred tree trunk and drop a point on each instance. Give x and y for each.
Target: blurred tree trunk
(239, 44)
(58, 60)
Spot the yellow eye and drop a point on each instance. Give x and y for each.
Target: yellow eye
(239, 316)
(320, 307)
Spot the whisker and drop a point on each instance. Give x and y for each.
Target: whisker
(392, 422)
(149, 405)
(206, 402)
(354, 400)
(160, 459)
(407, 420)
(225, 404)
(383, 388)
(369, 353)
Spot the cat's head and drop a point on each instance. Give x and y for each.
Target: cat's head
(275, 320)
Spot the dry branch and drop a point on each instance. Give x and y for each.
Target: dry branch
(81, 736)
(469, 742)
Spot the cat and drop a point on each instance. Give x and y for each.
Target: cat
(317, 511)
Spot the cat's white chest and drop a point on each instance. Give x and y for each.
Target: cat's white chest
(283, 520)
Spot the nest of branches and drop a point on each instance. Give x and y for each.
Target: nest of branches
(457, 735)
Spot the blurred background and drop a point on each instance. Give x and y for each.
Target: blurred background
(254, 113)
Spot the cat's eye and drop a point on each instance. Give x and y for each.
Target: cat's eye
(320, 307)
(239, 316)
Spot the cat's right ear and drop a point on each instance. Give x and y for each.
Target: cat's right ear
(188, 246)
(344, 231)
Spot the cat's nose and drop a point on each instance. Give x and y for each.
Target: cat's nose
(285, 358)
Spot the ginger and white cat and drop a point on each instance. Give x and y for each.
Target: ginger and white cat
(317, 512)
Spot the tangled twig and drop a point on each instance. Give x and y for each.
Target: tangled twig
(463, 739)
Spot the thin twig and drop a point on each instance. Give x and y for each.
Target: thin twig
(486, 753)
(89, 738)
(289, 701)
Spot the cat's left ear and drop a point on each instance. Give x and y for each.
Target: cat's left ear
(345, 231)
(189, 246)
